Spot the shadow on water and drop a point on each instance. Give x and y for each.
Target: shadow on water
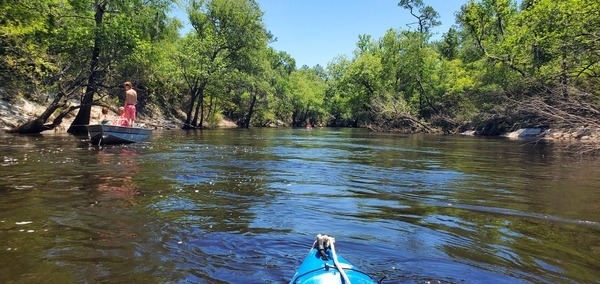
(232, 206)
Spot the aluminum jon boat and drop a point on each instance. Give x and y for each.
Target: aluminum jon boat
(323, 265)
(111, 134)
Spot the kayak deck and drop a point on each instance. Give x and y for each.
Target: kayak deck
(316, 270)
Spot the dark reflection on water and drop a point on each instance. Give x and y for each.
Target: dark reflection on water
(243, 206)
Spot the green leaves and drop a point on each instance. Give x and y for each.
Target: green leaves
(556, 37)
(224, 65)
(545, 41)
(24, 25)
(228, 46)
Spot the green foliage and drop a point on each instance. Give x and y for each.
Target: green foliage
(228, 44)
(306, 99)
(449, 45)
(360, 84)
(335, 102)
(553, 37)
(499, 51)
(24, 25)
(213, 120)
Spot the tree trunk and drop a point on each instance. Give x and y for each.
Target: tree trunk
(188, 118)
(294, 116)
(564, 79)
(37, 125)
(423, 97)
(52, 107)
(306, 115)
(210, 106)
(202, 111)
(199, 105)
(83, 115)
(31, 127)
(250, 111)
(214, 111)
(196, 111)
(58, 120)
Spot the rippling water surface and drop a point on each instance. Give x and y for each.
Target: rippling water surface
(243, 206)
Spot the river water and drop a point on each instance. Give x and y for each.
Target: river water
(244, 206)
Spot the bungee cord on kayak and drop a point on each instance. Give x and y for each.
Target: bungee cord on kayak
(323, 265)
(325, 241)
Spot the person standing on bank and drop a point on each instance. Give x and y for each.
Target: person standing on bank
(130, 101)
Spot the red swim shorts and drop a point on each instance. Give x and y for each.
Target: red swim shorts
(130, 111)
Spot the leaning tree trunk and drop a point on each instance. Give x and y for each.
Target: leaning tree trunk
(83, 115)
(58, 120)
(37, 125)
(250, 112)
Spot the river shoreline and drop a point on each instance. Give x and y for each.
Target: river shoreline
(13, 114)
(19, 111)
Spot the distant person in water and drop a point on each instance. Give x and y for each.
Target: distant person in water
(104, 116)
(121, 120)
(130, 101)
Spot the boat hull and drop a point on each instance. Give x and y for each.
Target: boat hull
(314, 270)
(112, 134)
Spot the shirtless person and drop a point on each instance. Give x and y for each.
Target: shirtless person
(130, 101)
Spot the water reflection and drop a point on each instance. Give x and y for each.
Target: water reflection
(119, 183)
(232, 206)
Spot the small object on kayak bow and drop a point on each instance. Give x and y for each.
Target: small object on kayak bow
(334, 270)
(321, 245)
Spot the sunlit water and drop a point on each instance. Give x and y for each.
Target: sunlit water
(243, 206)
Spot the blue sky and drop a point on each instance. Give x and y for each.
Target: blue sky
(316, 31)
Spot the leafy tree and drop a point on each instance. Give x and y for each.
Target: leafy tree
(501, 55)
(427, 18)
(449, 45)
(335, 101)
(307, 91)
(552, 40)
(24, 26)
(57, 32)
(226, 35)
(485, 23)
(399, 52)
(282, 65)
(258, 82)
(359, 85)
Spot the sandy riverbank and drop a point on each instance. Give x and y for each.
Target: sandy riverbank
(584, 134)
(19, 111)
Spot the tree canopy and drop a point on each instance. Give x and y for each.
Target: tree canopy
(501, 66)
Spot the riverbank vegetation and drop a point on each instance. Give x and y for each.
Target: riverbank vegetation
(503, 66)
